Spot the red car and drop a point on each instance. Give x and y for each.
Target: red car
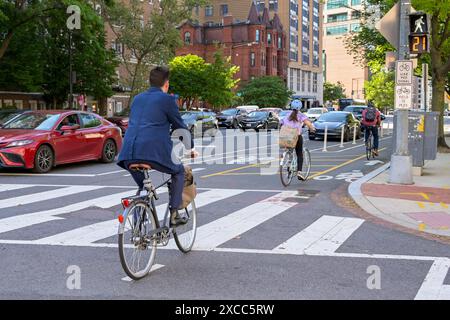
(40, 140)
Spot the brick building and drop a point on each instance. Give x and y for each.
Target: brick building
(257, 45)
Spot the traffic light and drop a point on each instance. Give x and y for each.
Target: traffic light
(418, 37)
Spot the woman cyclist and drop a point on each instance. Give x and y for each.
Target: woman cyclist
(296, 119)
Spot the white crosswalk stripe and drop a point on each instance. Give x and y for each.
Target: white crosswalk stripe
(46, 195)
(324, 236)
(11, 187)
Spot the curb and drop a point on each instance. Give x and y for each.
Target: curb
(354, 190)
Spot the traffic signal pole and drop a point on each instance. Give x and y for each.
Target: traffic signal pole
(401, 162)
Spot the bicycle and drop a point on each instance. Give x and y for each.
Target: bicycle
(140, 225)
(288, 165)
(369, 145)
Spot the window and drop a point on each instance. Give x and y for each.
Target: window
(269, 38)
(187, 38)
(257, 35)
(70, 120)
(280, 43)
(314, 82)
(209, 11)
(33, 104)
(252, 59)
(337, 17)
(355, 15)
(224, 9)
(355, 27)
(273, 5)
(356, 2)
(18, 104)
(308, 80)
(291, 79)
(333, 4)
(89, 120)
(336, 30)
(263, 59)
(298, 79)
(260, 5)
(303, 80)
(197, 10)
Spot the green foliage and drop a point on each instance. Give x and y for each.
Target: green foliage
(380, 89)
(333, 92)
(267, 91)
(194, 79)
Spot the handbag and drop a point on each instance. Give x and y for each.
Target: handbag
(288, 137)
(190, 188)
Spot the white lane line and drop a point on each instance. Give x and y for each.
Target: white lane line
(110, 172)
(219, 231)
(433, 287)
(323, 236)
(46, 195)
(11, 187)
(198, 169)
(153, 268)
(30, 219)
(49, 174)
(105, 229)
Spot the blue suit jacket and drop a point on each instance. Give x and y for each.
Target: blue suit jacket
(148, 137)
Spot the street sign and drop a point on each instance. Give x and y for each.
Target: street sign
(403, 96)
(389, 25)
(403, 72)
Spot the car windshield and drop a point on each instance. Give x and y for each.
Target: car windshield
(33, 121)
(314, 111)
(333, 117)
(257, 114)
(354, 109)
(229, 112)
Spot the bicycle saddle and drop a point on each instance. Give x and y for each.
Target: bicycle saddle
(140, 166)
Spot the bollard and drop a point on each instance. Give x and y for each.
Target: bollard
(325, 139)
(342, 137)
(354, 134)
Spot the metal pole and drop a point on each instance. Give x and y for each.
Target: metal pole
(70, 72)
(401, 163)
(424, 85)
(325, 139)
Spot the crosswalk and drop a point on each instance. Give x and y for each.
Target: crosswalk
(325, 234)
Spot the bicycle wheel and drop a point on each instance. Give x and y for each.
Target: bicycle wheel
(369, 147)
(184, 235)
(137, 249)
(306, 168)
(286, 173)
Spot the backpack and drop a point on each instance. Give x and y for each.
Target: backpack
(371, 115)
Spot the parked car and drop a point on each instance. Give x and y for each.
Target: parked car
(356, 110)
(40, 140)
(8, 114)
(314, 113)
(121, 122)
(335, 121)
(260, 120)
(277, 111)
(230, 118)
(284, 113)
(195, 120)
(248, 109)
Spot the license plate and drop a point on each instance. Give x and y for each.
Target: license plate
(249, 125)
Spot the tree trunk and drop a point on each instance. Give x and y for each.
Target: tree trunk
(5, 43)
(438, 106)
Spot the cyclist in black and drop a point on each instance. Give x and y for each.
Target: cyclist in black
(371, 120)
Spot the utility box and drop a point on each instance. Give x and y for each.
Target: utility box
(422, 135)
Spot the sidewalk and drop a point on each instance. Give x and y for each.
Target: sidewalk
(423, 206)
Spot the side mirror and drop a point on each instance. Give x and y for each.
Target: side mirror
(70, 128)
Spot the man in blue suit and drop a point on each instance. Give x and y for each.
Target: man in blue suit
(147, 140)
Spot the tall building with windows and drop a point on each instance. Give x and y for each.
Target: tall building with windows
(302, 22)
(342, 17)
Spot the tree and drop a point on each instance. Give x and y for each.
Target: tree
(188, 78)
(333, 92)
(220, 81)
(380, 89)
(267, 91)
(147, 41)
(440, 57)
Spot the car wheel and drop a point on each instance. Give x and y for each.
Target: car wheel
(43, 159)
(235, 124)
(109, 151)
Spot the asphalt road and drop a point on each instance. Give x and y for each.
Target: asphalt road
(306, 241)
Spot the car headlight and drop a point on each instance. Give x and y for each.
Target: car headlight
(230, 118)
(20, 143)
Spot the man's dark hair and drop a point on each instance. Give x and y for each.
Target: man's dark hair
(158, 76)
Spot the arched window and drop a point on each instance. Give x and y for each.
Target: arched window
(187, 38)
